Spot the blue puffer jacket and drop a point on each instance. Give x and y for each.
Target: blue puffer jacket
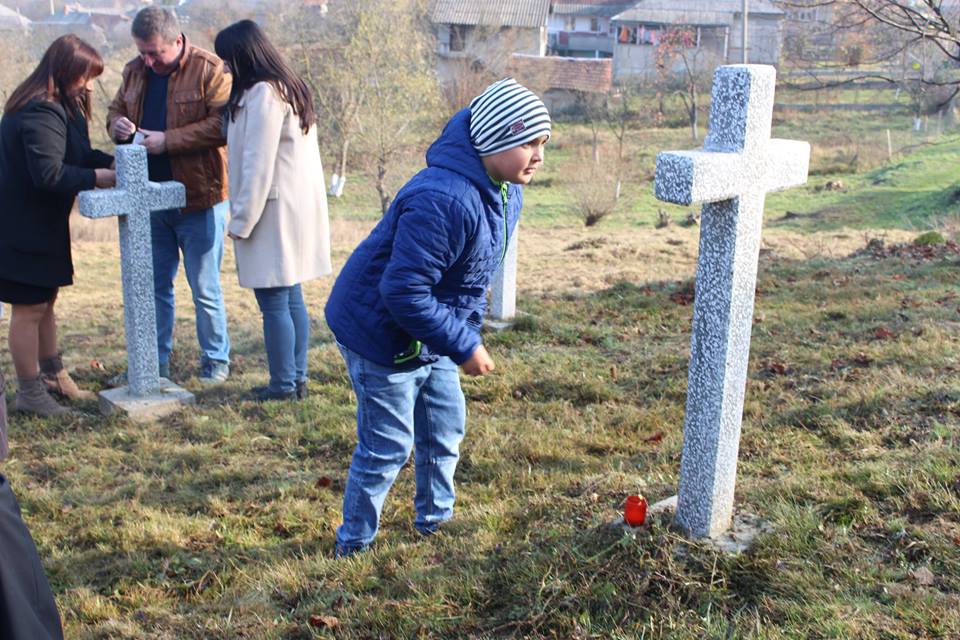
(415, 289)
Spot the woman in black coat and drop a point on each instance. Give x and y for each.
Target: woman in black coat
(45, 161)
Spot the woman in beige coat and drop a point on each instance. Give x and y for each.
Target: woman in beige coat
(278, 206)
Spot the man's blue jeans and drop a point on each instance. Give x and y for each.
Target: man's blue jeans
(399, 411)
(199, 235)
(286, 332)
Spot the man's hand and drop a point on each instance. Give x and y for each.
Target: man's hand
(106, 178)
(154, 141)
(122, 129)
(480, 363)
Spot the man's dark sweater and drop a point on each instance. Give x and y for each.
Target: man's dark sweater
(155, 119)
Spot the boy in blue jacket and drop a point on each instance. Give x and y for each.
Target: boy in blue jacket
(408, 305)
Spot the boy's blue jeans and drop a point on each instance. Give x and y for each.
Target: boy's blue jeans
(286, 332)
(420, 410)
(199, 235)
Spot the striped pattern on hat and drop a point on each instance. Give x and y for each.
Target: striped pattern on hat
(506, 115)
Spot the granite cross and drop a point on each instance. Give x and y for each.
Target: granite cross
(738, 165)
(132, 200)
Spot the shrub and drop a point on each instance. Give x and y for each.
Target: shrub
(929, 238)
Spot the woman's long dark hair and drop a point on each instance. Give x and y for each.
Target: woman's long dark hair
(252, 59)
(68, 62)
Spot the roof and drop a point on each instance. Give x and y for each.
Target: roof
(10, 19)
(591, 75)
(599, 8)
(693, 11)
(504, 13)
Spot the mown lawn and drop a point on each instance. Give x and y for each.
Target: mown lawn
(219, 522)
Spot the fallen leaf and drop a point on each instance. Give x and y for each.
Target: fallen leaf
(323, 482)
(96, 364)
(837, 363)
(899, 276)
(654, 439)
(862, 359)
(882, 333)
(777, 368)
(923, 576)
(324, 622)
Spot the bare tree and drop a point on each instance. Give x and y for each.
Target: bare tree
(679, 50)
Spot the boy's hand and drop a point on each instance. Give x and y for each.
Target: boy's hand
(480, 363)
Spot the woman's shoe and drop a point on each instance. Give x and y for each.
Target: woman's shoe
(32, 397)
(58, 380)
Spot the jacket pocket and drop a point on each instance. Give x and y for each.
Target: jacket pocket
(189, 106)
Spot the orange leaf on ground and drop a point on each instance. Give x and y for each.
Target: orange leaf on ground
(324, 622)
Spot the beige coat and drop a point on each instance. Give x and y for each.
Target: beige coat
(278, 205)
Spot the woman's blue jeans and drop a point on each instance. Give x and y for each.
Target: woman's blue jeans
(286, 333)
(420, 410)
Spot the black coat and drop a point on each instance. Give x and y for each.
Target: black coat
(27, 608)
(45, 161)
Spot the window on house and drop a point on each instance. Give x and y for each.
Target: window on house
(639, 34)
(458, 37)
(570, 23)
(595, 25)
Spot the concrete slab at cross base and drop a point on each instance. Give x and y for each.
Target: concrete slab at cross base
(498, 325)
(737, 539)
(169, 399)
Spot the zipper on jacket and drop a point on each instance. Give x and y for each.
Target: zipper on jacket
(505, 195)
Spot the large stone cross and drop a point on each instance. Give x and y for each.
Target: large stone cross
(738, 165)
(134, 198)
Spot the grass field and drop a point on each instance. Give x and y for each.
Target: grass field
(219, 522)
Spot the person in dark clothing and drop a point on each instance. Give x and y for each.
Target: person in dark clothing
(45, 161)
(27, 608)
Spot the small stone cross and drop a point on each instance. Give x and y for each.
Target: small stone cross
(503, 291)
(132, 200)
(738, 165)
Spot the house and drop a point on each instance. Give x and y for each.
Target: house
(582, 28)
(716, 26)
(562, 81)
(486, 32)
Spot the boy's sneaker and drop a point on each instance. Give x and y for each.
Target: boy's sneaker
(301, 389)
(214, 372)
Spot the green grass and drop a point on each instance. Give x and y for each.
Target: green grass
(219, 522)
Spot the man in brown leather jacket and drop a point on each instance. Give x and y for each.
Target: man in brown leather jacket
(171, 101)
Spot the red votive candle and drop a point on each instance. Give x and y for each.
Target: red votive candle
(635, 511)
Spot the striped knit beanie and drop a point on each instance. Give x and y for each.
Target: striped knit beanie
(506, 115)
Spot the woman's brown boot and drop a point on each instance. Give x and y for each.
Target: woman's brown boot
(58, 380)
(32, 397)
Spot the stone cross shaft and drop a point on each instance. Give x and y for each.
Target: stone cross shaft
(738, 165)
(503, 291)
(132, 200)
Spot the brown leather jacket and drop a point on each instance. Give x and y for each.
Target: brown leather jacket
(197, 92)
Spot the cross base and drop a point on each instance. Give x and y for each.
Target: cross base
(740, 537)
(169, 399)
